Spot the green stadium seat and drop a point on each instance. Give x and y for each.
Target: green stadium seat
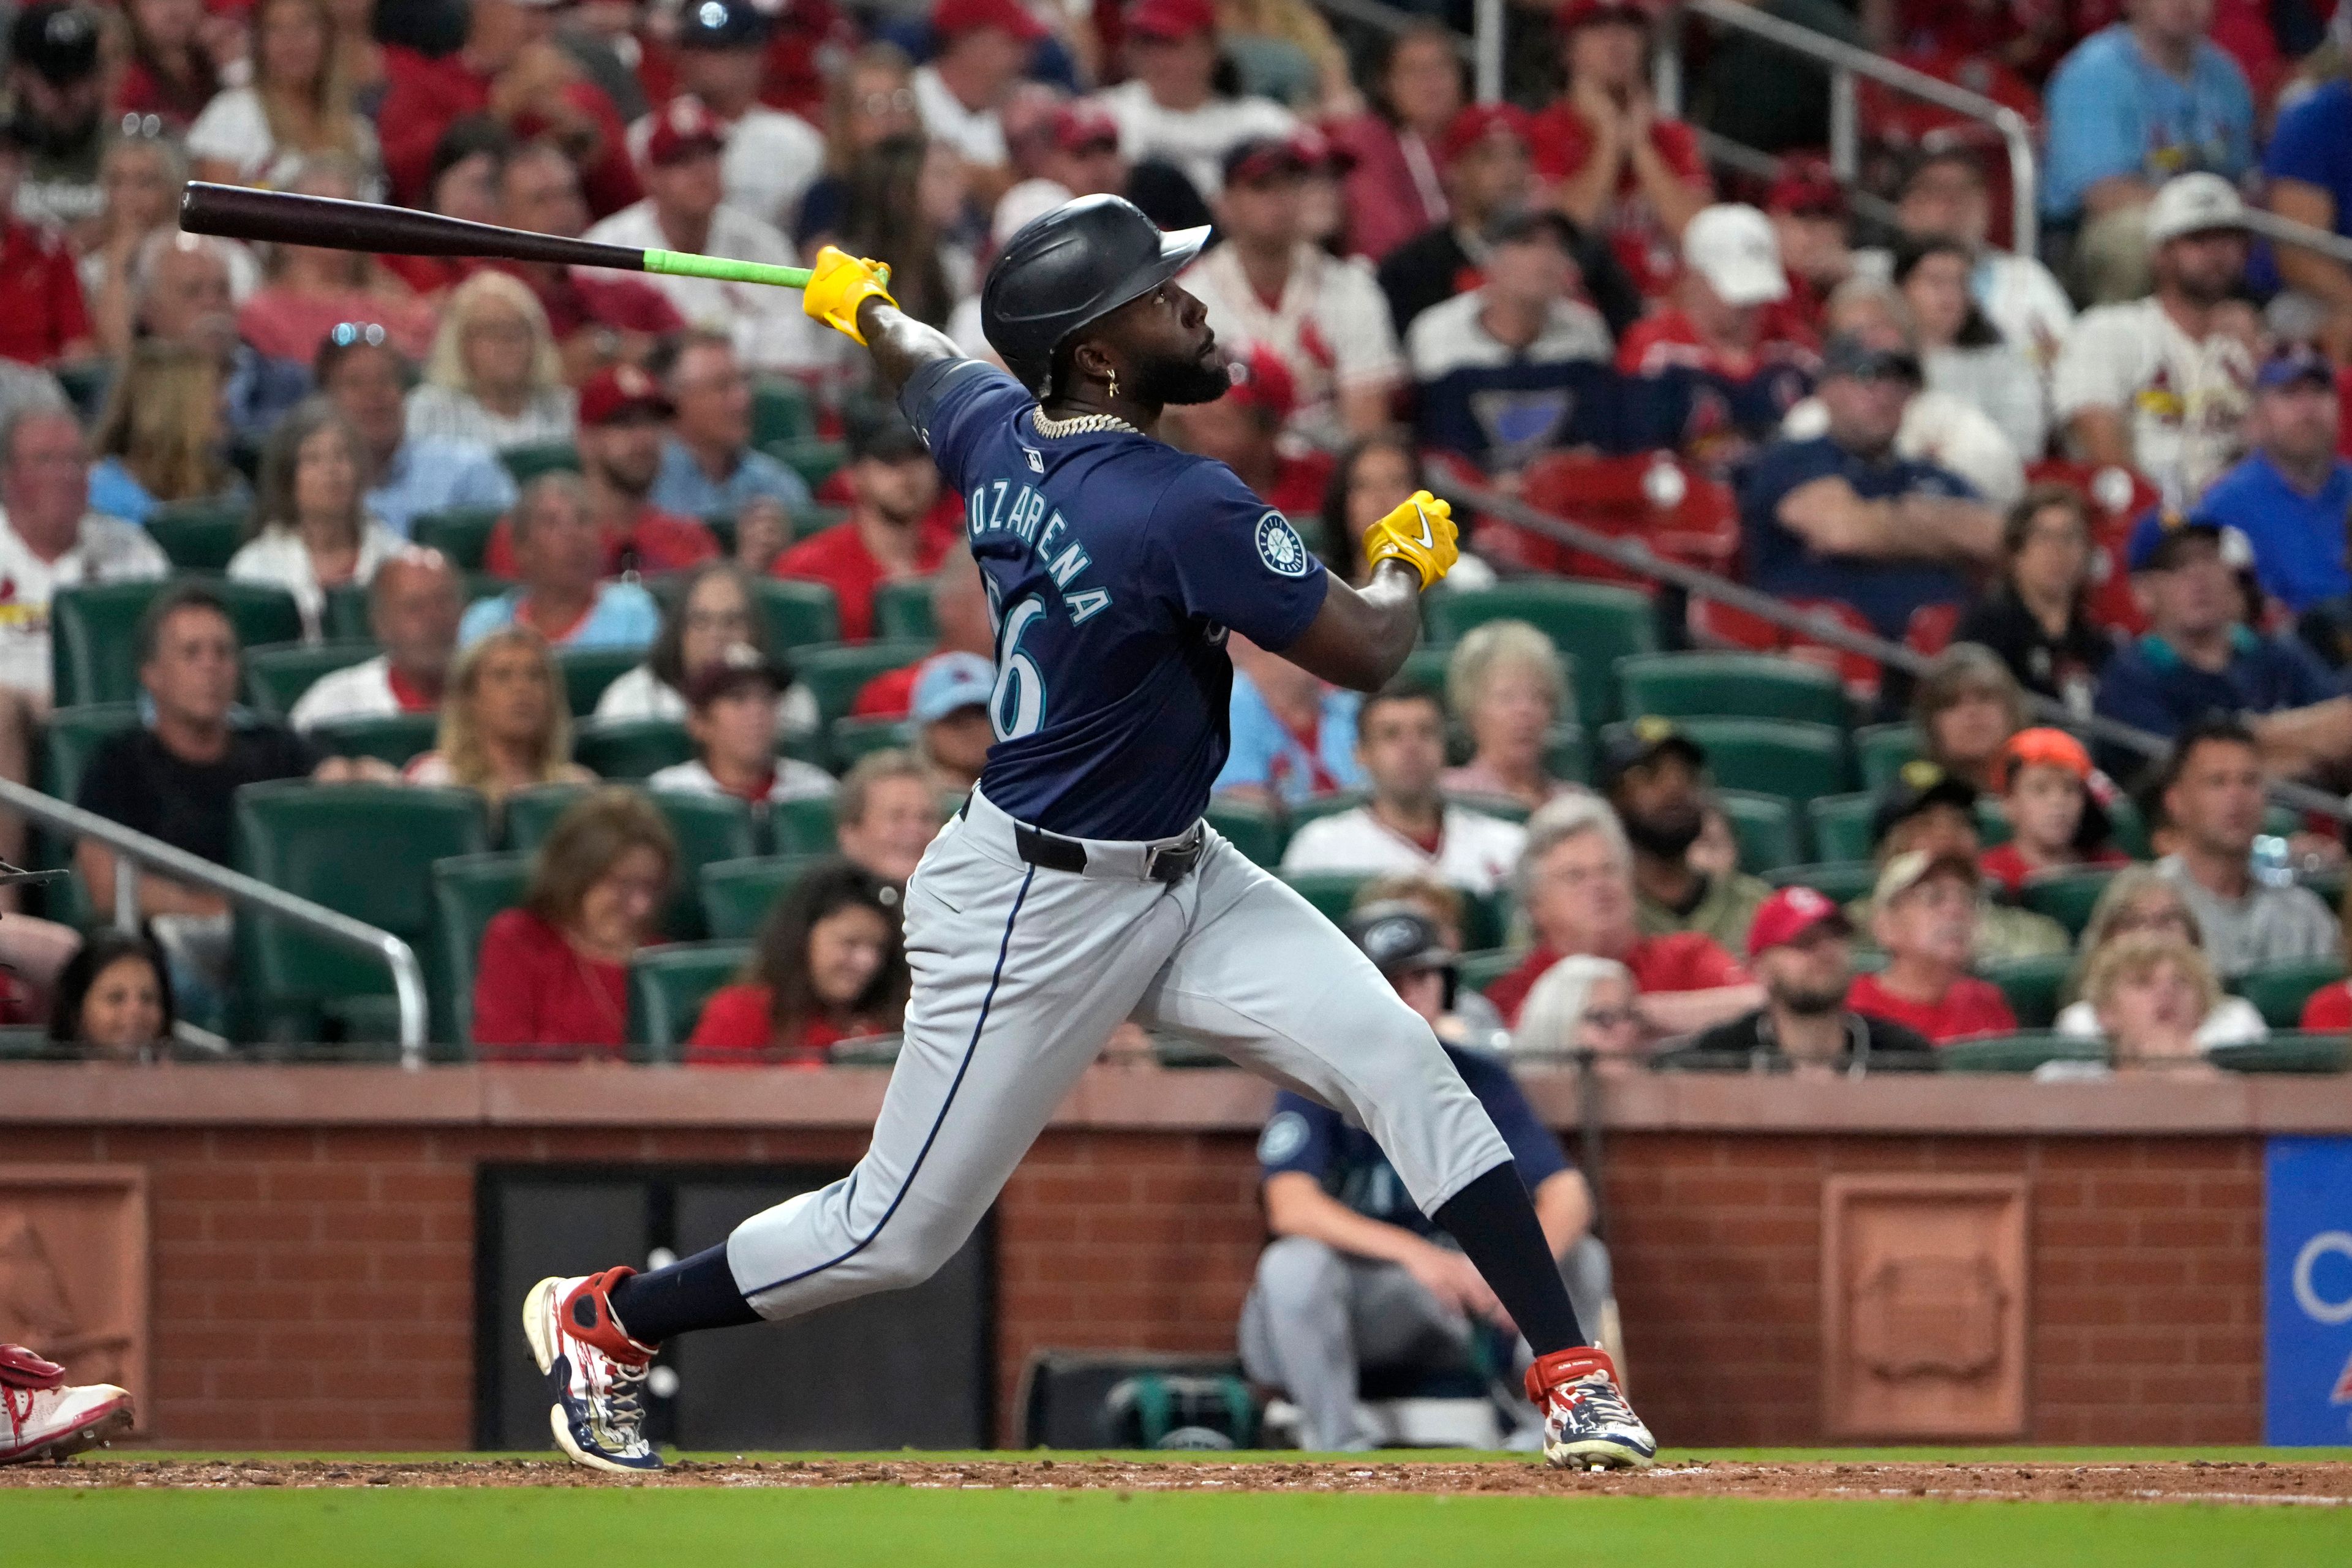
(531, 815)
(1481, 969)
(902, 611)
(468, 890)
(1840, 882)
(855, 738)
(835, 672)
(201, 536)
(588, 670)
(2279, 991)
(800, 613)
(1593, 624)
(1425, 667)
(738, 894)
(528, 463)
(1333, 805)
(2018, 1053)
(781, 411)
(94, 649)
(346, 618)
(1731, 685)
(2130, 831)
(396, 739)
(2066, 896)
(2287, 1051)
(668, 985)
(814, 520)
(628, 749)
(72, 737)
(364, 849)
(1882, 750)
(1993, 822)
(707, 828)
(1502, 805)
(276, 677)
(1765, 826)
(2032, 985)
(1257, 831)
(1567, 755)
(815, 461)
(801, 826)
(463, 534)
(1796, 760)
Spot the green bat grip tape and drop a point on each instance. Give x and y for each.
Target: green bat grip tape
(680, 264)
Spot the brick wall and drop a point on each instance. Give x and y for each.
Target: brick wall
(312, 1286)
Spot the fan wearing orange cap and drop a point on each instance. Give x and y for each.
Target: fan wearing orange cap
(1243, 430)
(2055, 802)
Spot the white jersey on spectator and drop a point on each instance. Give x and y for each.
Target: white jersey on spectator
(639, 693)
(1194, 140)
(1331, 327)
(277, 555)
(2022, 298)
(2184, 401)
(1941, 430)
(977, 133)
(769, 331)
(770, 160)
(1475, 852)
(1449, 337)
(551, 415)
(109, 551)
(795, 780)
(362, 691)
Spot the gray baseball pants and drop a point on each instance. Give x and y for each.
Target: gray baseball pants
(1022, 972)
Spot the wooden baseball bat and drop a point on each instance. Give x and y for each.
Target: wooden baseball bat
(282, 217)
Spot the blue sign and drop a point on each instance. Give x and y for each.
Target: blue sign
(2307, 1291)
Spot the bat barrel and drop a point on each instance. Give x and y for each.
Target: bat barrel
(327, 223)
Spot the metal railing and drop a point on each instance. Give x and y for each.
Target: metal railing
(136, 852)
(1819, 627)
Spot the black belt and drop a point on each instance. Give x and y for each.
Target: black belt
(1056, 853)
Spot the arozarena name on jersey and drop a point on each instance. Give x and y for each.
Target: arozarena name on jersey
(997, 508)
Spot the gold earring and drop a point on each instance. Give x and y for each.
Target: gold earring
(1111, 377)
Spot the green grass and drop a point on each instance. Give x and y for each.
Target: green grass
(890, 1528)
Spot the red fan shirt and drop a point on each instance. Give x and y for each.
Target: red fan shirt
(1968, 1007)
(1680, 961)
(1562, 142)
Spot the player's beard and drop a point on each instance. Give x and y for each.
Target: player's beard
(1166, 383)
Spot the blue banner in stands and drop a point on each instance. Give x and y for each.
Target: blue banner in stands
(2307, 1291)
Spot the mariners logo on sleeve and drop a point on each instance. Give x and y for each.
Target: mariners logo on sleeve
(1279, 546)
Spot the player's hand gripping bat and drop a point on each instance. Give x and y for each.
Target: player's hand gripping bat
(329, 222)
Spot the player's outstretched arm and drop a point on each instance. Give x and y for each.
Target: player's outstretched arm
(1361, 635)
(854, 297)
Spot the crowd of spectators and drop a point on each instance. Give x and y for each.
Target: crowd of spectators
(2110, 474)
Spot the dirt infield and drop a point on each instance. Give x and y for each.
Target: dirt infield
(2214, 1481)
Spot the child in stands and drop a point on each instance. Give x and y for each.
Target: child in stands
(2055, 802)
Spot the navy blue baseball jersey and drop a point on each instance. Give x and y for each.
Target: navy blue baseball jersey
(1318, 1142)
(1114, 566)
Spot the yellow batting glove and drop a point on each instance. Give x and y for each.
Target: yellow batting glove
(839, 284)
(1421, 533)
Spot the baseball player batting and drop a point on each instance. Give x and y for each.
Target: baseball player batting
(1078, 886)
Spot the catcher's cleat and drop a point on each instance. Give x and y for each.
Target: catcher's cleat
(42, 1417)
(596, 1372)
(1587, 1423)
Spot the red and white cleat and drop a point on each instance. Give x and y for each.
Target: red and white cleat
(42, 1417)
(596, 1372)
(1588, 1424)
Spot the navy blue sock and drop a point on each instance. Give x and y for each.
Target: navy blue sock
(1494, 1221)
(696, 1292)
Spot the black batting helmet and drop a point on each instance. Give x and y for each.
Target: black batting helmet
(1071, 266)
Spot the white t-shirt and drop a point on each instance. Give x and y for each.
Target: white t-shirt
(551, 415)
(2232, 1022)
(1331, 327)
(2184, 401)
(1475, 852)
(1939, 428)
(1194, 140)
(978, 135)
(795, 780)
(234, 130)
(362, 691)
(770, 330)
(770, 160)
(1449, 336)
(109, 550)
(639, 693)
(277, 555)
(2022, 299)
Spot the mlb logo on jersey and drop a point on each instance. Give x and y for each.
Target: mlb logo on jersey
(1279, 546)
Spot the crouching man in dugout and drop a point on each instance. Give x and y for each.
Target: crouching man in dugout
(1357, 1279)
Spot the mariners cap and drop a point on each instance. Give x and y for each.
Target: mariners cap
(1399, 938)
(741, 666)
(1645, 739)
(56, 42)
(947, 683)
(1913, 867)
(1918, 786)
(2159, 539)
(1790, 915)
(620, 392)
(1733, 248)
(2193, 203)
(722, 25)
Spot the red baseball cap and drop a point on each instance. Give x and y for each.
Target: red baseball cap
(1269, 384)
(1171, 19)
(949, 18)
(1575, 13)
(620, 390)
(682, 127)
(1081, 123)
(1791, 914)
(1807, 186)
(1467, 130)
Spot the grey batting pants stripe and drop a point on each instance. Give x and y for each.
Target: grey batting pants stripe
(1316, 1316)
(1019, 976)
